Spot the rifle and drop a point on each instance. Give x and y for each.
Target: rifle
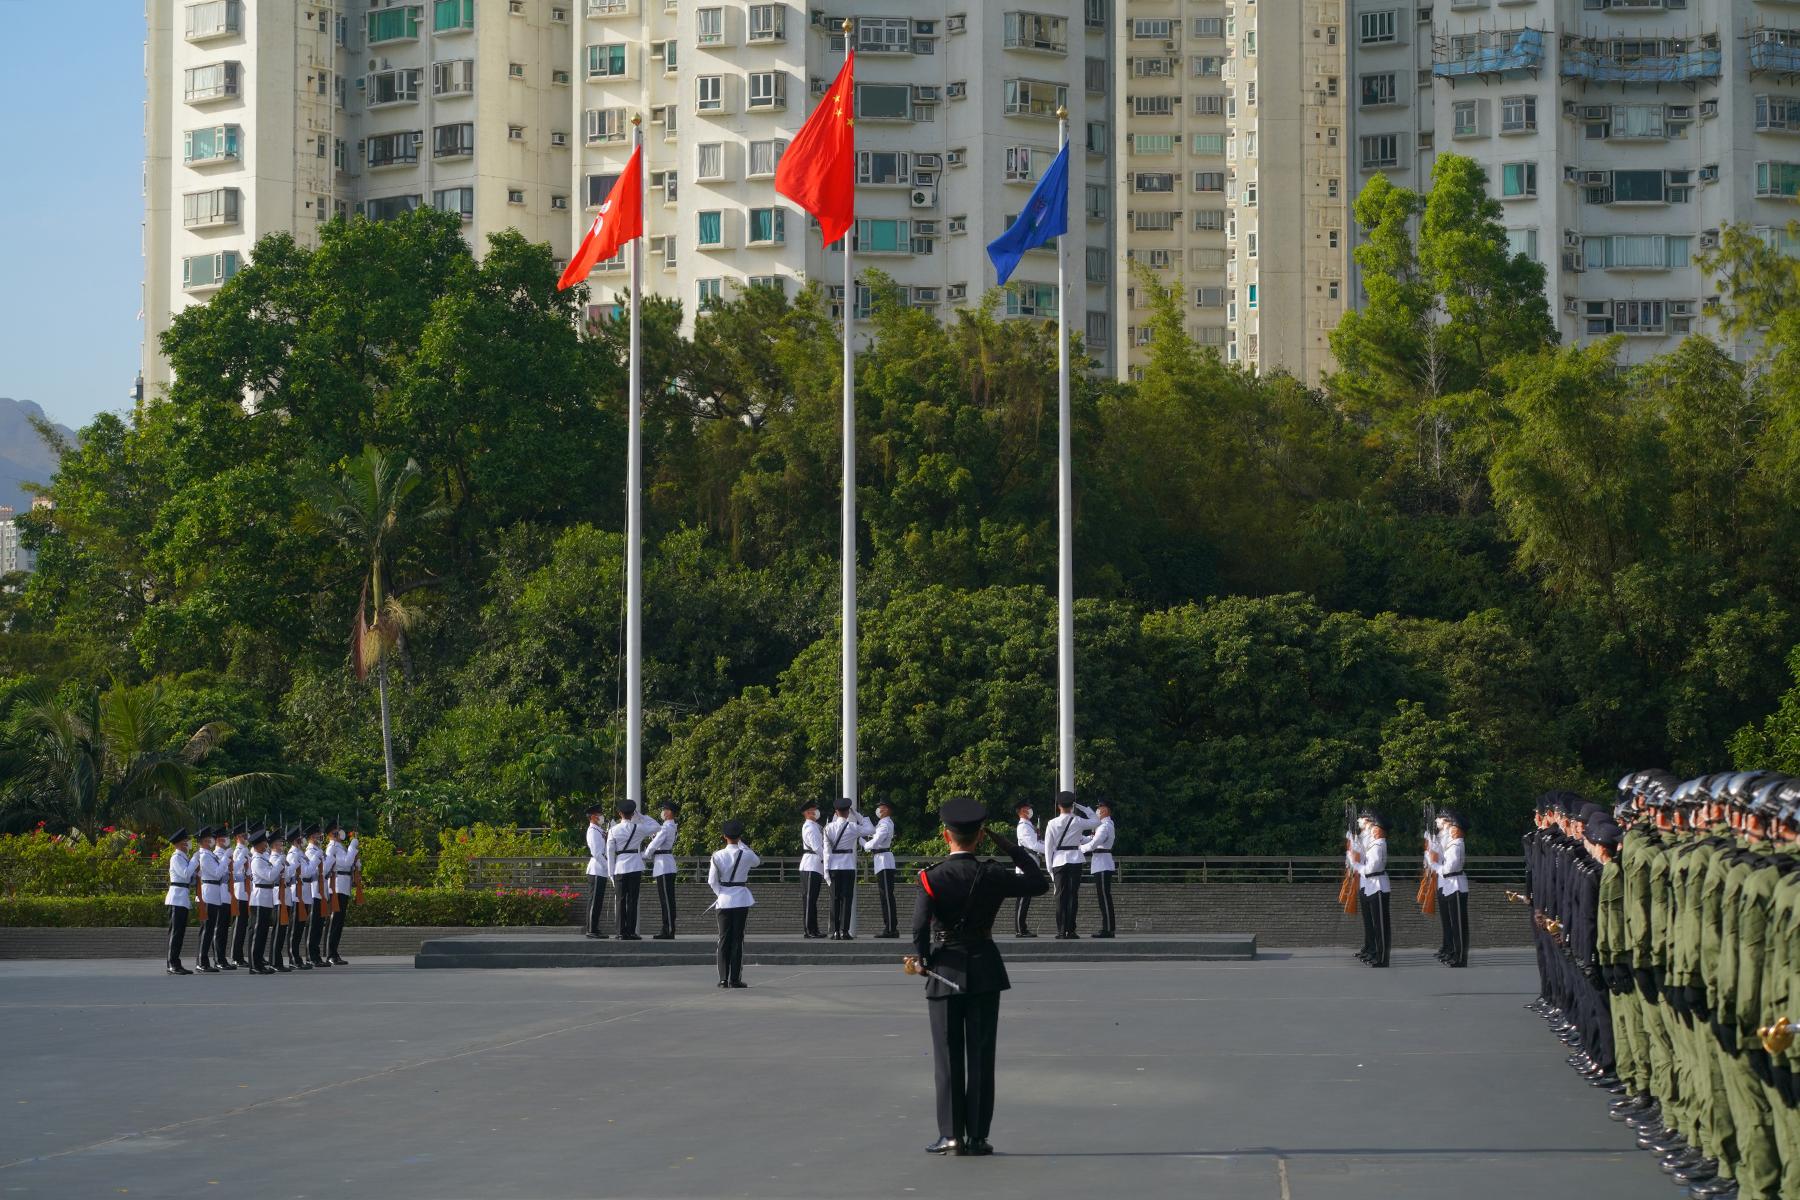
(1350, 889)
(1428, 892)
(231, 880)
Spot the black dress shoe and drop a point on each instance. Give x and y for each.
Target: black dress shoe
(944, 1145)
(263, 970)
(303, 965)
(206, 968)
(318, 962)
(723, 984)
(1104, 933)
(338, 961)
(178, 969)
(1704, 1171)
(225, 966)
(738, 983)
(1718, 1189)
(888, 933)
(630, 937)
(662, 937)
(242, 962)
(1073, 936)
(281, 969)
(591, 936)
(1024, 933)
(1681, 1160)
(979, 1147)
(810, 936)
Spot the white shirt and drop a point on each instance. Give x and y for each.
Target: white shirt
(840, 840)
(1027, 837)
(263, 874)
(624, 844)
(596, 842)
(210, 865)
(881, 845)
(730, 868)
(181, 876)
(1062, 836)
(662, 863)
(312, 864)
(1100, 845)
(290, 875)
(343, 865)
(1373, 867)
(812, 847)
(240, 870)
(1453, 860)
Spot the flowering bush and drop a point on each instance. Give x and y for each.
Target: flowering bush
(41, 863)
(457, 846)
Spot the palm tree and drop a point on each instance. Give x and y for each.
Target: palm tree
(369, 508)
(105, 760)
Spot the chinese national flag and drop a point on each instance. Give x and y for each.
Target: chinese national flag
(620, 219)
(818, 171)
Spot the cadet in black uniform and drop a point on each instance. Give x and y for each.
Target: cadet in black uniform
(953, 936)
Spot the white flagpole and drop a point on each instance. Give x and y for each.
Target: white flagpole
(848, 531)
(1065, 510)
(634, 560)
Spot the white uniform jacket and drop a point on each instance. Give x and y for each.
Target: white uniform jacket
(290, 875)
(660, 850)
(841, 840)
(1026, 835)
(312, 863)
(596, 844)
(812, 848)
(1453, 860)
(1063, 836)
(240, 870)
(181, 880)
(1099, 848)
(881, 845)
(213, 866)
(625, 842)
(264, 875)
(730, 869)
(1373, 867)
(342, 862)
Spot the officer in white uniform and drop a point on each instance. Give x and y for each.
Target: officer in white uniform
(1099, 851)
(212, 864)
(596, 869)
(317, 884)
(284, 899)
(299, 896)
(625, 863)
(1371, 863)
(179, 898)
(344, 876)
(1062, 851)
(1027, 839)
(1451, 864)
(731, 867)
(265, 879)
(660, 851)
(841, 840)
(240, 889)
(881, 845)
(812, 870)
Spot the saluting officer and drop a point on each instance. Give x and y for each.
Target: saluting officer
(880, 844)
(953, 937)
(728, 878)
(812, 870)
(1031, 843)
(596, 869)
(179, 898)
(660, 852)
(344, 857)
(625, 863)
(1062, 841)
(840, 863)
(1099, 849)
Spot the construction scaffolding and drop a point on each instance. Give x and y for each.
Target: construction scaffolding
(1642, 61)
(1776, 51)
(1487, 52)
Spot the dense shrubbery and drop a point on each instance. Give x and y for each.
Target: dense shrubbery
(1471, 566)
(380, 906)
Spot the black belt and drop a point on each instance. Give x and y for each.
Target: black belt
(343, 872)
(187, 886)
(1375, 875)
(267, 886)
(1453, 874)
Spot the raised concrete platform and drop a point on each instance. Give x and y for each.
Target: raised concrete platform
(573, 950)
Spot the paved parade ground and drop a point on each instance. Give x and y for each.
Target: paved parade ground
(1300, 1076)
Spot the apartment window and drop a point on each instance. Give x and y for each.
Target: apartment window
(773, 282)
(1518, 180)
(219, 206)
(1096, 13)
(1030, 299)
(208, 270)
(515, 133)
(1250, 244)
(1250, 297)
(1380, 150)
(1213, 144)
(1522, 241)
(1153, 143)
(1332, 290)
(453, 78)
(1096, 76)
(214, 19)
(1204, 65)
(709, 160)
(1153, 221)
(451, 16)
(1777, 114)
(1777, 179)
(1640, 187)
(666, 183)
(1518, 114)
(708, 293)
(710, 93)
(219, 143)
(1098, 329)
(601, 125)
(768, 22)
(1209, 297)
(1331, 188)
(1209, 181)
(453, 141)
(393, 24)
(768, 226)
(216, 82)
(884, 35)
(1034, 98)
(1153, 181)
(1378, 28)
(1332, 238)
(1096, 137)
(882, 167)
(1152, 67)
(388, 207)
(394, 149)
(1154, 29)
(1465, 118)
(1380, 89)
(768, 89)
(1250, 195)
(515, 70)
(709, 26)
(765, 156)
(1036, 31)
(460, 201)
(883, 237)
(606, 61)
(1094, 206)
(1152, 106)
(884, 101)
(1096, 264)
(711, 231)
(1636, 252)
(1209, 220)
(1019, 164)
(392, 87)
(595, 188)
(1638, 316)
(1209, 106)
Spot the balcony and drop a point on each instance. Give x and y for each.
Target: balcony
(1775, 50)
(394, 25)
(209, 85)
(452, 16)
(208, 272)
(1495, 52)
(1641, 60)
(211, 146)
(214, 19)
(210, 210)
(1037, 33)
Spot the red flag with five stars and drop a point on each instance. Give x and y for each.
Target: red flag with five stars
(818, 172)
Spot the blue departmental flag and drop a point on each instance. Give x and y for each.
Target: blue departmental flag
(1046, 216)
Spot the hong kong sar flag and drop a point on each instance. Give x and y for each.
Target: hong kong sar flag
(621, 218)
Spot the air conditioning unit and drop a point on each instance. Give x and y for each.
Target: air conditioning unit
(924, 178)
(817, 17)
(1571, 174)
(925, 228)
(1709, 108)
(1571, 108)
(1572, 261)
(1596, 112)
(559, 139)
(925, 295)
(1572, 238)
(835, 291)
(1171, 45)
(1679, 112)
(924, 197)
(923, 94)
(957, 91)
(1572, 306)
(959, 225)
(928, 162)
(1709, 239)
(1709, 173)
(1596, 178)
(956, 24)
(1681, 308)
(816, 86)
(956, 291)
(559, 77)
(559, 203)
(954, 158)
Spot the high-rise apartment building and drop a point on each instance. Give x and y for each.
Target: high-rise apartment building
(13, 555)
(517, 114)
(1389, 98)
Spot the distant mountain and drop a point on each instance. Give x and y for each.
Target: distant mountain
(24, 457)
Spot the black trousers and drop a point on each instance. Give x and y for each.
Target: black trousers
(219, 917)
(810, 882)
(1457, 905)
(1103, 885)
(1022, 907)
(596, 902)
(1365, 906)
(336, 933)
(730, 954)
(1446, 945)
(281, 940)
(240, 930)
(626, 886)
(178, 922)
(259, 945)
(1380, 925)
(665, 896)
(843, 898)
(1068, 896)
(890, 915)
(316, 936)
(964, 1035)
(299, 933)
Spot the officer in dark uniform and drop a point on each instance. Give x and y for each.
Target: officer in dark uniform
(953, 937)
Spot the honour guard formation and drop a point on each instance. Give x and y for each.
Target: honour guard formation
(1668, 950)
(282, 883)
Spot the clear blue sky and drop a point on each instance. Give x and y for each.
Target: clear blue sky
(72, 137)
